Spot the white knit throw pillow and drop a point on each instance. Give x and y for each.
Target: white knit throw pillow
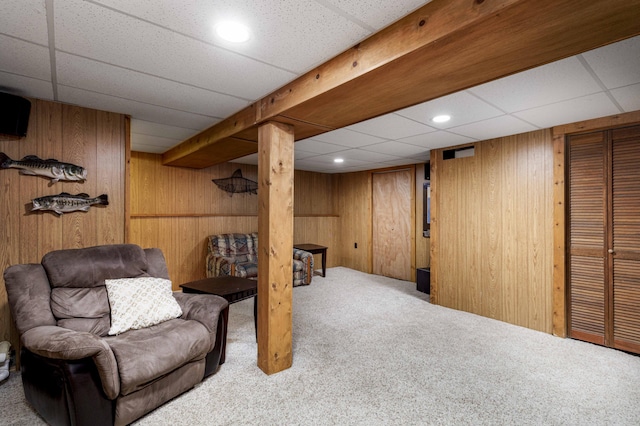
(140, 302)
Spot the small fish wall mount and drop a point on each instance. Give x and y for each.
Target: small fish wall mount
(51, 168)
(66, 203)
(237, 184)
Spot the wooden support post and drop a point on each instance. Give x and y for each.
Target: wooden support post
(559, 321)
(275, 246)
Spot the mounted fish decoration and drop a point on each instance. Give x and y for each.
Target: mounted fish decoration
(236, 184)
(53, 169)
(65, 202)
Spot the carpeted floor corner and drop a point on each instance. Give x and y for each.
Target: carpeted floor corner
(370, 350)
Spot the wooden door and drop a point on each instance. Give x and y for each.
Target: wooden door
(587, 236)
(604, 238)
(392, 241)
(625, 239)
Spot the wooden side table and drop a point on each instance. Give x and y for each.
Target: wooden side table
(315, 249)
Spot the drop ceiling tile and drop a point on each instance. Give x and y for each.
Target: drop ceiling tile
(247, 159)
(301, 155)
(311, 166)
(87, 74)
(435, 140)
(391, 126)
(327, 159)
(25, 86)
(593, 106)
(494, 128)
(628, 97)
(24, 58)
(424, 158)
(367, 156)
(324, 31)
(151, 149)
(463, 107)
(158, 129)
(317, 147)
(95, 32)
(24, 19)
(348, 138)
(308, 168)
(401, 162)
(375, 13)
(395, 148)
(353, 169)
(166, 143)
(554, 82)
(139, 110)
(618, 64)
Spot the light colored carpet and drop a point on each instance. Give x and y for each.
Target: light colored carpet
(370, 350)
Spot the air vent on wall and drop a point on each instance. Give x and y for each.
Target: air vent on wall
(467, 151)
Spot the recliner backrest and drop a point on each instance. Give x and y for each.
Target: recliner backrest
(77, 277)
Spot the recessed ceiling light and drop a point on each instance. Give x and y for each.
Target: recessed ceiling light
(232, 31)
(338, 160)
(441, 118)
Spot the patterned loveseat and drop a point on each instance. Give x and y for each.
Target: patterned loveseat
(237, 255)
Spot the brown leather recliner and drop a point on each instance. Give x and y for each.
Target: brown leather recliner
(73, 372)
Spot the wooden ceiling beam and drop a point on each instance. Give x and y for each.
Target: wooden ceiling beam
(424, 26)
(506, 43)
(443, 47)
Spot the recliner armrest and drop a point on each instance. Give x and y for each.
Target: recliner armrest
(307, 259)
(303, 255)
(204, 308)
(61, 343)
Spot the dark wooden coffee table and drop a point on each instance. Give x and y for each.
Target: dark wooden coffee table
(233, 289)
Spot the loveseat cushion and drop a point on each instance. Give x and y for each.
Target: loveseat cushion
(81, 309)
(147, 354)
(67, 302)
(233, 245)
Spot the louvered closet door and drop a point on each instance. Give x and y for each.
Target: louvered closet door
(604, 238)
(625, 257)
(587, 236)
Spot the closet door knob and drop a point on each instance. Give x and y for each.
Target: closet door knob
(610, 251)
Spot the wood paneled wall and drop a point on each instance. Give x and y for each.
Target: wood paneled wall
(354, 206)
(95, 140)
(176, 209)
(492, 230)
